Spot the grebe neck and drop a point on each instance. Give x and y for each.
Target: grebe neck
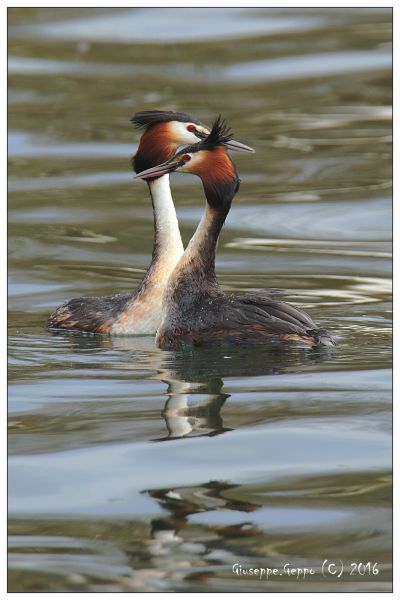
(201, 250)
(199, 256)
(167, 237)
(142, 313)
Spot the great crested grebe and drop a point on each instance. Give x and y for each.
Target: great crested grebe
(139, 312)
(196, 311)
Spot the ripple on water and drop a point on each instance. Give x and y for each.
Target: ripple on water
(24, 145)
(299, 67)
(80, 481)
(366, 220)
(163, 26)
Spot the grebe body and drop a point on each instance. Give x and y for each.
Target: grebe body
(139, 312)
(196, 311)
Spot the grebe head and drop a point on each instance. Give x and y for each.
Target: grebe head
(208, 160)
(164, 131)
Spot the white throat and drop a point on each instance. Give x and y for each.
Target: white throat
(167, 234)
(142, 315)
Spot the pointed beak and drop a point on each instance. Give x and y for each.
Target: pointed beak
(231, 145)
(160, 170)
(238, 146)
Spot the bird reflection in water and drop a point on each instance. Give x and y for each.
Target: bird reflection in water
(179, 548)
(195, 378)
(202, 372)
(169, 546)
(200, 418)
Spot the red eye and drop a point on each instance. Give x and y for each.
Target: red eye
(186, 157)
(191, 128)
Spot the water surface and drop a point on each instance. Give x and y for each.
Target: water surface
(133, 469)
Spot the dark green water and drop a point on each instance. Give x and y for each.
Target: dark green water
(133, 469)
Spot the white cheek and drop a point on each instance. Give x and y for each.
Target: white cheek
(182, 135)
(196, 158)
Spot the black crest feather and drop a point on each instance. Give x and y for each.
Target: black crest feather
(220, 134)
(145, 118)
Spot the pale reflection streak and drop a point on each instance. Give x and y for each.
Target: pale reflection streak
(350, 289)
(203, 417)
(309, 246)
(195, 378)
(169, 548)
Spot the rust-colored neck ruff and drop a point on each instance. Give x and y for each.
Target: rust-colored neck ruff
(219, 177)
(155, 147)
(215, 167)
